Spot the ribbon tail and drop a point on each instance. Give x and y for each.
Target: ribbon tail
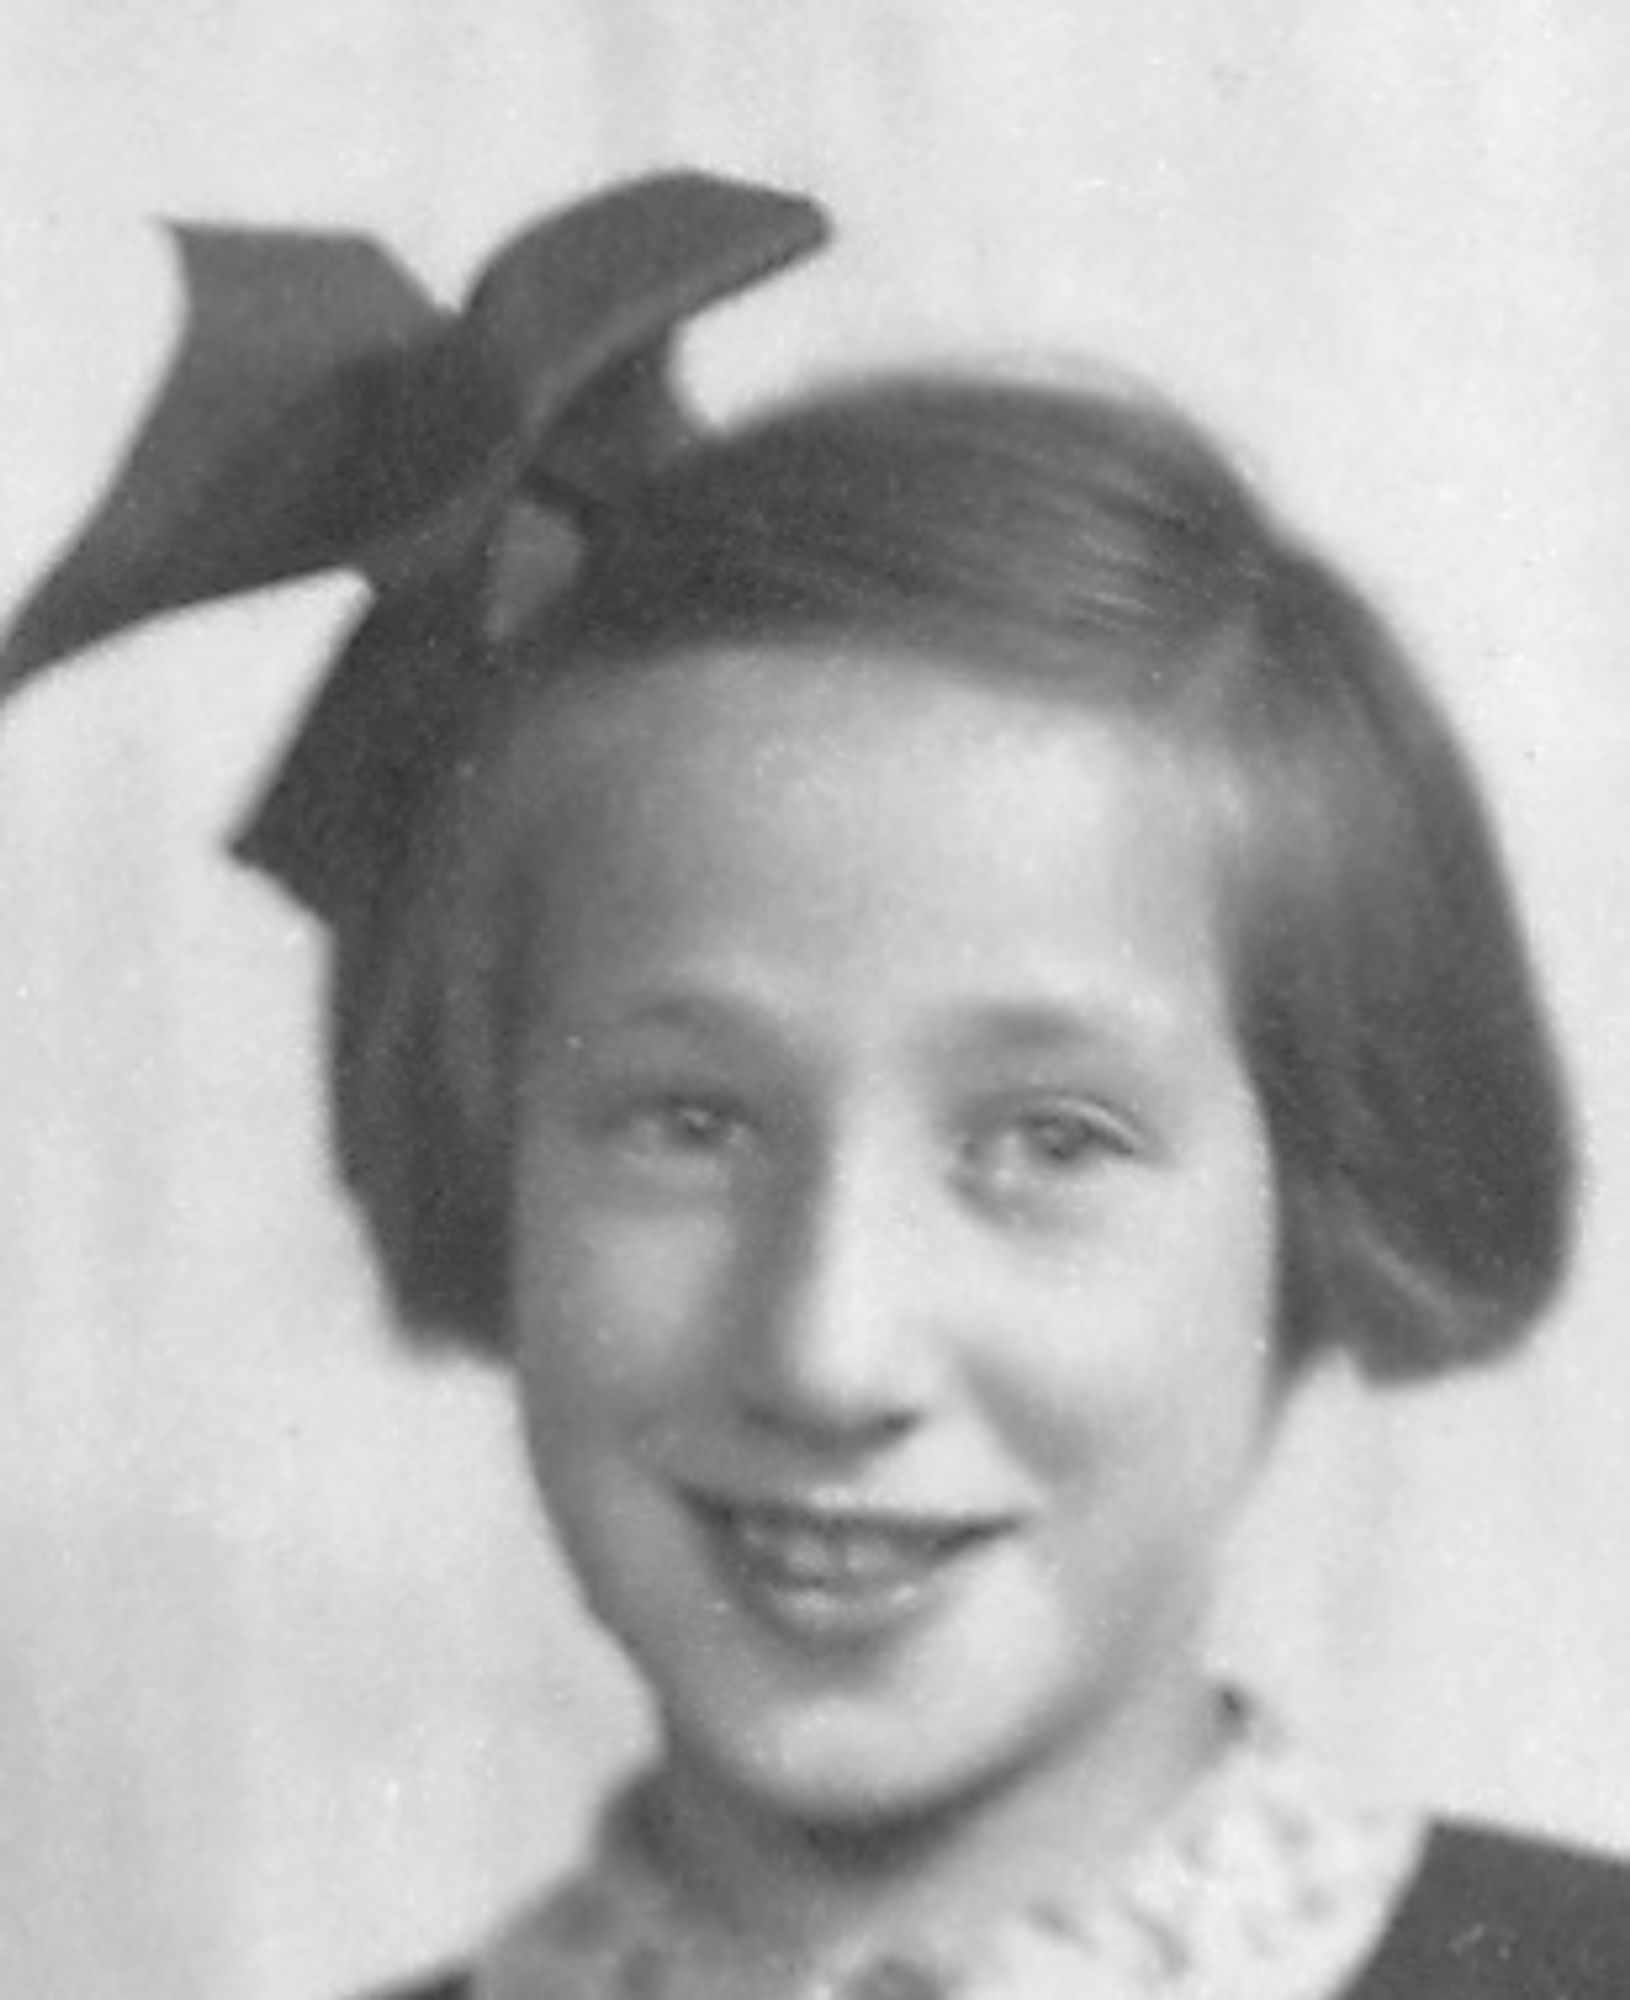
(236, 479)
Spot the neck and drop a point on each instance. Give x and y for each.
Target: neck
(947, 1870)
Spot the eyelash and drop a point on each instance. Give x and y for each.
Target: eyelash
(1014, 1155)
(1055, 1142)
(680, 1124)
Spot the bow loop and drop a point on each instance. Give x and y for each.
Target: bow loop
(323, 412)
(230, 484)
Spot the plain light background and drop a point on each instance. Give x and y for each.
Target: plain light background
(291, 1693)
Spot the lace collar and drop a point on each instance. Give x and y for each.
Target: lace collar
(1267, 1883)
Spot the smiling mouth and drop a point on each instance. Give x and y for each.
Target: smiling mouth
(820, 1573)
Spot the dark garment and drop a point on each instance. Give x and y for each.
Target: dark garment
(1489, 1916)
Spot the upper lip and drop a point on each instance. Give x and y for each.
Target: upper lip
(838, 1512)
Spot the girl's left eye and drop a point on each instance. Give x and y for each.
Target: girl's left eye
(1046, 1145)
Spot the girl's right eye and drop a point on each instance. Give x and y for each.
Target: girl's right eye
(679, 1130)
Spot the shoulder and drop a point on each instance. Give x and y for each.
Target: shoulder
(1493, 1915)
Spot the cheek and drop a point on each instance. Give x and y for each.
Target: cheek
(613, 1321)
(1157, 1350)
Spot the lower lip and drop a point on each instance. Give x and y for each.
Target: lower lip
(840, 1610)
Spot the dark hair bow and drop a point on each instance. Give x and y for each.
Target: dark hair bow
(323, 412)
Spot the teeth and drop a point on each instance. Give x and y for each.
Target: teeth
(833, 1554)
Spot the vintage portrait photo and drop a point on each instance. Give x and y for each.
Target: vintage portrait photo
(814, 1000)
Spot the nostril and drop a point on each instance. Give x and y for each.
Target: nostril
(826, 1425)
(833, 1376)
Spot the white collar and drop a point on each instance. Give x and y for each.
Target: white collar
(1268, 1882)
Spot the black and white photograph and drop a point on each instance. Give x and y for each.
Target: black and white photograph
(814, 1000)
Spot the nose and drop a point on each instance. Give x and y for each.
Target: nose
(835, 1348)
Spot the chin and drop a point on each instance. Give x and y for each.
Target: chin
(845, 1776)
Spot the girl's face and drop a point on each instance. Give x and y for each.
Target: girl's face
(895, 1237)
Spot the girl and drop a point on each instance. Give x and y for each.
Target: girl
(908, 970)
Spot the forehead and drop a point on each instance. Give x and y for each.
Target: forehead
(887, 818)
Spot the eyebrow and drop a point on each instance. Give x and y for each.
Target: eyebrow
(706, 1015)
(1135, 1027)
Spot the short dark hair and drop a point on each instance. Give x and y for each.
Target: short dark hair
(1386, 1001)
